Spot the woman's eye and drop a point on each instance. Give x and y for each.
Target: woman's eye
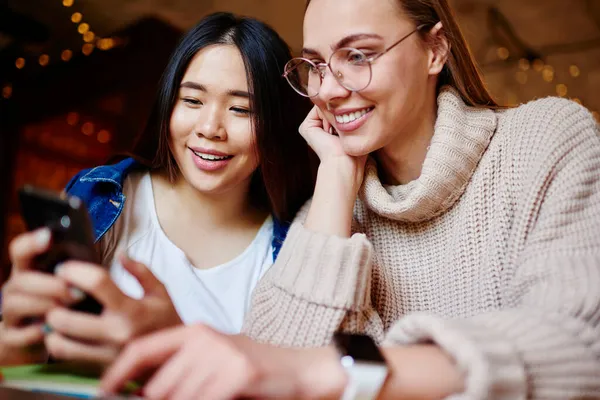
(239, 110)
(314, 70)
(357, 58)
(193, 102)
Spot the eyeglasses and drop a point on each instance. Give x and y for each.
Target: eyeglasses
(349, 66)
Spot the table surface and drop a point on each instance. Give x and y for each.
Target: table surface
(17, 394)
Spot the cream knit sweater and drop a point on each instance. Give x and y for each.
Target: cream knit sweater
(493, 253)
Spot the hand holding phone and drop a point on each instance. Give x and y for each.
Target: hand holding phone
(71, 232)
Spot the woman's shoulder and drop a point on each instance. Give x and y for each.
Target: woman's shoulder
(548, 125)
(86, 181)
(549, 115)
(544, 138)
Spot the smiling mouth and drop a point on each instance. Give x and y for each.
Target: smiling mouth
(211, 157)
(352, 116)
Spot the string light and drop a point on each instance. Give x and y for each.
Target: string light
(103, 136)
(76, 17)
(524, 64)
(66, 55)
(548, 73)
(105, 44)
(87, 129)
(561, 89)
(87, 49)
(503, 53)
(88, 36)
(574, 71)
(83, 28)
(7, 91)
(44, 60)
(538, 65)
(577, 100)
(72, 118)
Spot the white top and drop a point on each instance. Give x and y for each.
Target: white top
(218, 297)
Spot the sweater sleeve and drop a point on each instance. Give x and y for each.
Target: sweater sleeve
(545, 341)
(318, 285)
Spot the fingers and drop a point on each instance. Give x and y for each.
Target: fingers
(32, 294)
(18, 307)
(94, 280)
(110, 328)
(220, 372)
(63, 348)
(24, 248)
(145, 277)
(222, 376)
(19, 338)
(147, 352)
(327, 127)
(172, 375)
(43, 285)
(314, 119)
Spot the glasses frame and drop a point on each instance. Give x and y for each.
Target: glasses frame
(321, 67)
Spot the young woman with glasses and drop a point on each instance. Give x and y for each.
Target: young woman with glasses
(462, 236)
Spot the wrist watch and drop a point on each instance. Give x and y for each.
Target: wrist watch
(365, 365)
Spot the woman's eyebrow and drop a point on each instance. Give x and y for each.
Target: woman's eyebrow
(344, 42)
(193, 85)
(198, 86)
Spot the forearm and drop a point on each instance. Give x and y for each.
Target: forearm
(415, 372)
(333, 201)
(420, 372)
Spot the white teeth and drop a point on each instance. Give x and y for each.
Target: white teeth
(210, 157)
(345, 118)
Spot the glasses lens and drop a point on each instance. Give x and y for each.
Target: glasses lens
(303, 76)
(351, 68)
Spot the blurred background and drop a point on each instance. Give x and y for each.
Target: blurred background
(77, 77)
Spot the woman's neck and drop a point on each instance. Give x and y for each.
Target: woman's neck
(401, 161)
(230, 208)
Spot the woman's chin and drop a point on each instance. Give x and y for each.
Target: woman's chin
(357, 147)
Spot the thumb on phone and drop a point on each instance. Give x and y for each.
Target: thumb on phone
(24, 248)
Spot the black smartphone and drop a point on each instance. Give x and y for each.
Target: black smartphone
(72, 235)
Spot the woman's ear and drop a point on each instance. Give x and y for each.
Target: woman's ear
(439, 48)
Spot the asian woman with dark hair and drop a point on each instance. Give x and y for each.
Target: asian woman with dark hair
(204, 218)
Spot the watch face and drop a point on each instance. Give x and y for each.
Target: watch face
(359, 347)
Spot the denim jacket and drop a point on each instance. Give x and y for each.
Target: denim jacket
(101, 189)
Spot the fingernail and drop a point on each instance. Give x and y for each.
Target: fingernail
(46, 329)
(76, 294)
(58, 269)
(43, 236)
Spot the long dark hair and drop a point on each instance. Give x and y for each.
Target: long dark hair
(285, 177)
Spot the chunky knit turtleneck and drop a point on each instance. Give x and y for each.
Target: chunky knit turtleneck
(461, 136)
(493, 254)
